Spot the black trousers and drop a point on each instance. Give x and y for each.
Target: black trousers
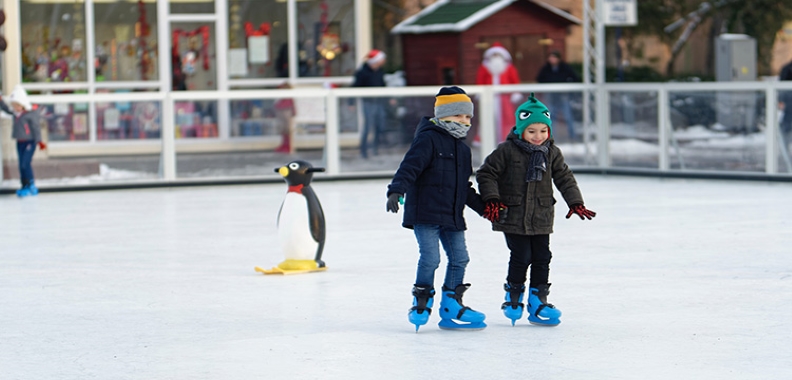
(529, 250)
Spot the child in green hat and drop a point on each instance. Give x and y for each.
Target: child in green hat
(516, 180)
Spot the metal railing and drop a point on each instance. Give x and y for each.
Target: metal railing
(596, 143)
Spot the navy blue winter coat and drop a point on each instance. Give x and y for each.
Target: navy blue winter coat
(434, 177)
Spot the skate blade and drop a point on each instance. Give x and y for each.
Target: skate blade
(276, 270)
(447, 324)
(543, 322)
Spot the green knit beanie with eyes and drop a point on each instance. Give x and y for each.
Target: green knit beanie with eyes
(530, 112)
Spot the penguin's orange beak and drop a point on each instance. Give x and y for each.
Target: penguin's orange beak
(284, 171)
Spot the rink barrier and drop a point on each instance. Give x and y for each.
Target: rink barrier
(597, 163)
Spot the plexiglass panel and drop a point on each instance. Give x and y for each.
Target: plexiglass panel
(64, 121)
(633, 130)
(577, 141)
(128, 120)
(376, 132)
(785, 131)
(263, 134)
(717, 131)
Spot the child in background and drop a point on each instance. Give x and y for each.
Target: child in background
(515, 182)
(435, 178)
(27, 132)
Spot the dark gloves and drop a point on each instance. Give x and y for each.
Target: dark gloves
(581, 211)
(393, 202)
(42, 145)
(495, 211)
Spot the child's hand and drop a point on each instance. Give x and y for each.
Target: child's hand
(494, 211)
(42, 145)
(393, 202)
(581, 211)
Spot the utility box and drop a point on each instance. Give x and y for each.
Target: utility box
(735, 61)
(735, 58)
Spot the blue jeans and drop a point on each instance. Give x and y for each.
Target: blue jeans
(454, 246)
(560, 102)
(25, 150)
(374, 121)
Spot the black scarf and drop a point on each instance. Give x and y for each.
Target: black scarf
(538, 159)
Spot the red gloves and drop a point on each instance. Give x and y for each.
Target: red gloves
(581, 211)
(494, 211)
(41, 145)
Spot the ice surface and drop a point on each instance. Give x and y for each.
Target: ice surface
(674, 279)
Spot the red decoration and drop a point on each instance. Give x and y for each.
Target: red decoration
(204, 31)
(263, 30)
(144, 32)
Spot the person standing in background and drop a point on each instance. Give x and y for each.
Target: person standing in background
(558, 71)
(497, 69)
(785, 100)
(371, 74)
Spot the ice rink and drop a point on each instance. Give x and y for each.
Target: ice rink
(674, 279)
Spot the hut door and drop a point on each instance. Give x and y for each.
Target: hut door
(447, 72)
(529, 56)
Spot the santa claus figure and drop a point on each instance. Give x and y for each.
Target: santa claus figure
(497, 69)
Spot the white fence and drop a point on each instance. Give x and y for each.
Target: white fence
(760, 106)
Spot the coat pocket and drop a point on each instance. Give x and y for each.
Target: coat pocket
(545, 211)
(514, 209)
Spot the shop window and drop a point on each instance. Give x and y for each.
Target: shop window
(193, 58)
(65, 121)
(258, 36)
(192, 6)
(126, 41)
(53, 41)
(128, 120)
(196, 119)
(326, 33)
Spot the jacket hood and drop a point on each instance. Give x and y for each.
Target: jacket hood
(427, 124)
(19, 95)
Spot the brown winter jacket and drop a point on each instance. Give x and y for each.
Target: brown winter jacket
(530, 204)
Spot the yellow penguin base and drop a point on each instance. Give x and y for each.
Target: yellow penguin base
(293, 267)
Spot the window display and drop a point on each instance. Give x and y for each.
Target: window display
(53, 41)
(126, 41)
(326, 33)
(258, 36)
(193, 58)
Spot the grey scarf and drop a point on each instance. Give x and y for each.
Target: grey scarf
(538, 159)
(455, 129)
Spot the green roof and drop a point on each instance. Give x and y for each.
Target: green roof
(452, 13)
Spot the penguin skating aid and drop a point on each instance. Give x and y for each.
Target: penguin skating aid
(301, 223)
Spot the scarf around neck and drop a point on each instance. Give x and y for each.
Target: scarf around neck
(455, 129)
(538, 159)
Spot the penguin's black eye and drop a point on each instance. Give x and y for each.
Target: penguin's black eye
(294, 166)
(524, 115)
(547, 113)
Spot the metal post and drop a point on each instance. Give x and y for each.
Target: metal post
(332, 141)
(771, 130)
(168, 136)
(601, 94)
(487, 128)
(663, 128)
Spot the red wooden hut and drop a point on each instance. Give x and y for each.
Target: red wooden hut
(443, 44)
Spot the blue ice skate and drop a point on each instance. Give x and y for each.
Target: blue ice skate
(452, 310)
(422, 306)
(540, 312)
(23, 192)
(33, 189)
(513, 307)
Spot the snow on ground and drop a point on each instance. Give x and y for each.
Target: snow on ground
(685, 279)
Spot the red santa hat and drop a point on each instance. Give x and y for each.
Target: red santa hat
(375, 56)
(497, 48)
